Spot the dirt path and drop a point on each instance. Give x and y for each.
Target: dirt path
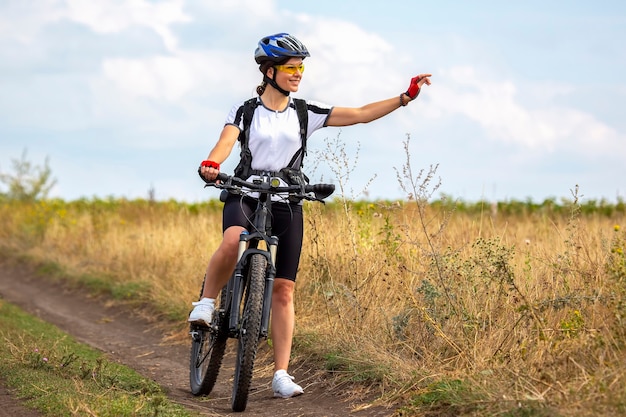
(133, 341)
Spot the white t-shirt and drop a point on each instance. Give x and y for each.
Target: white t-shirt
(275, 135)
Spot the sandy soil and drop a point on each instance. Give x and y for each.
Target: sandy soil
(130, 339)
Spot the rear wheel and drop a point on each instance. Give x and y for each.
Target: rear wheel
(207, 348)
(249, 331)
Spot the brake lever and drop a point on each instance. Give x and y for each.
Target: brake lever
(310, 197)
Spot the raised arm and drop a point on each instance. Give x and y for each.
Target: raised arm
(346, 116)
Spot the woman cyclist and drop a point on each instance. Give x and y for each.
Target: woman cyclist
(274, 139)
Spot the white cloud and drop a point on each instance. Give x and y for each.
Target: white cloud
(160, 77)
(113, 16)
(242, 9)
(577, 130)
(332, 39)
(22, 20)
(498, 108)
(348, 65)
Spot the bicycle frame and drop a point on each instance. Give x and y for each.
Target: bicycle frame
(248, 245)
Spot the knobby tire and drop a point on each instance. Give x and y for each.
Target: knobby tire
(207, 350)
(250, 329)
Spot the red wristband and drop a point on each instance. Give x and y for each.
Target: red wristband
(210, 164)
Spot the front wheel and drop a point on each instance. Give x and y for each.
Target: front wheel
(249, 330)
(207, 349)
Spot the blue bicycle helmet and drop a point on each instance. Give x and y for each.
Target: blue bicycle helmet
(277, 47)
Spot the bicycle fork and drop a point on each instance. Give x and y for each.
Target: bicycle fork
(239, 277)
(269, 285)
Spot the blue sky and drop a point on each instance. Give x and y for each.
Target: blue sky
(527, 100)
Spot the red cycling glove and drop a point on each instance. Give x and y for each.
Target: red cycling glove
(414, 88)
(210, 164)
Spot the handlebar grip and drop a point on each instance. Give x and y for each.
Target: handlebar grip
(222, 176)
(321, 191)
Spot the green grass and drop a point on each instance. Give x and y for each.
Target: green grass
(453, 397)
(58, 376)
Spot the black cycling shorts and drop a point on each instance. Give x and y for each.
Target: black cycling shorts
(287, 224)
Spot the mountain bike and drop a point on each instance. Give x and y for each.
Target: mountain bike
(243, 306)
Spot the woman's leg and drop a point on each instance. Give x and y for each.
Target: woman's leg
(235, 215)
(222, 263)
(283, 321)
(218, 272)
(288, 225)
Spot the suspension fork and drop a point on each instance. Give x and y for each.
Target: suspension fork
(237, 284)
(261, 224)
(272, 245)
(239, 277)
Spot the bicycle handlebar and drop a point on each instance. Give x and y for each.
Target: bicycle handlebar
(235, 184)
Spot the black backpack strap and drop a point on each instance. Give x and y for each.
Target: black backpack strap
(303, 118)
(245, 161)
(249, 106)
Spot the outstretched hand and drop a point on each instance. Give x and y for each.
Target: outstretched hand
(416, 85)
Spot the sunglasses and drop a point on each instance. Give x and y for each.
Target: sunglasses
(290, 69)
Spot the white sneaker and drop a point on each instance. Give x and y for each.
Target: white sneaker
(202, 312)
(283, 385)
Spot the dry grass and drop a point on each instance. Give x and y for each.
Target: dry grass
(478, 312)
(523, 307)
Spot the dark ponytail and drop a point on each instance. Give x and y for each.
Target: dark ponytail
(263, 67)
(261, 88)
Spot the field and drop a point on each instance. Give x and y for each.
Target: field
(441, 307)
(513, 308)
